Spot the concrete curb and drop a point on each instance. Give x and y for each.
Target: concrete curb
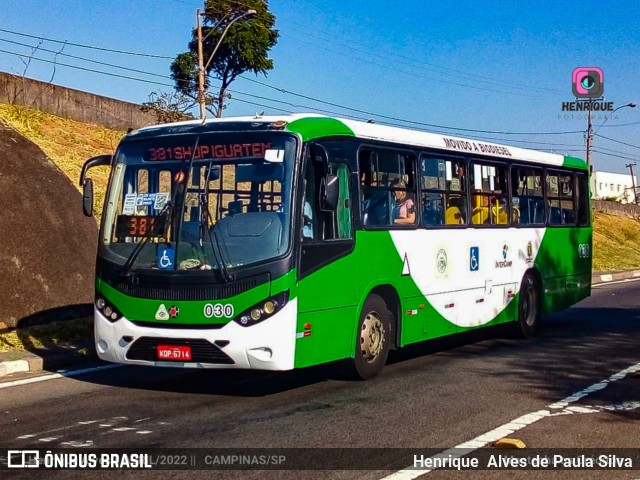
(601, 277)
(20, 362)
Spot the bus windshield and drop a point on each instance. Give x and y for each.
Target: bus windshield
(194, 202)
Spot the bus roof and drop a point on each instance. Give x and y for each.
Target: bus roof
(311, 126)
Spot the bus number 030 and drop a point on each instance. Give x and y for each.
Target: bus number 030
(218, 310)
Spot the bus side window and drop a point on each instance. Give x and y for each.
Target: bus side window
(317, 224)
(527, 195)
(388, 187)
(489, 202)
(444, 185)
(560, 190)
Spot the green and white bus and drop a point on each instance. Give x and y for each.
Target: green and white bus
(278, 242)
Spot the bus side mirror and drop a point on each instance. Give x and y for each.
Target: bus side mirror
(329, 190)
(87, 197)
(98, 161)
(87, 183)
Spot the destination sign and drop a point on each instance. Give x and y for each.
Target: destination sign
(227, 151)
(140, 226)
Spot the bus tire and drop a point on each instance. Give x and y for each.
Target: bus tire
(373, 341)
(528, 308)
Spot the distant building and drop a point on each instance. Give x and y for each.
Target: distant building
(608, 185)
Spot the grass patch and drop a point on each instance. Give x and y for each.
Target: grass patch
(615, 242)
(66, 333)
(67, 143)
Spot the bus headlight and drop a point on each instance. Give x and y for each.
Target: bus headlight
(262, 310)
(109, 312)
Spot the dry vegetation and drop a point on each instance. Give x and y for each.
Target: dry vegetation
(615, 242)
(63, 334)
(67, 143)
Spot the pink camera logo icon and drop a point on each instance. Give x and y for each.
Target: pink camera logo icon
(587, 82)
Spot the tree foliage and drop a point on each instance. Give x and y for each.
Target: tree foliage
(244, 48)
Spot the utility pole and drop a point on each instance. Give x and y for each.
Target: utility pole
(589, 137)
(201, 98)
(633, 181)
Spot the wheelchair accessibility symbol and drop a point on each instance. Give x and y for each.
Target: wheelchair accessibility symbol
(166, 258)
(474, 259)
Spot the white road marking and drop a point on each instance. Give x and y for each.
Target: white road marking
(60, 374)
(78, 443)
(618, 407)
(48, 439)
(409, 473)
(66, 427)
(144, 432)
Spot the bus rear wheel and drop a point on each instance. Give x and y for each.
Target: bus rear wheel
(528, 308)
(372, 342)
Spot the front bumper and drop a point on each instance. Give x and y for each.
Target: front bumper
(268, 345)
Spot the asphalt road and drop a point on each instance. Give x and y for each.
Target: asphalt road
(434, 396)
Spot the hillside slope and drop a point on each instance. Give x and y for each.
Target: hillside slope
(616, 242)
(47, 247)
(67, 143)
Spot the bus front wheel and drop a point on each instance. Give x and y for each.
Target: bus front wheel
(528, 307)
(372, 342)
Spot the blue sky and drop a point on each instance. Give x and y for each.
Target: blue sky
(498, 66)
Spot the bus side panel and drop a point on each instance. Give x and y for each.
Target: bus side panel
(564, 261)
(327, 305)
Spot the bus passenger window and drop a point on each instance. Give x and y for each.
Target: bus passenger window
(387, 185)
(527, 195)
(489, 202)
(444, 200)
(560, 190)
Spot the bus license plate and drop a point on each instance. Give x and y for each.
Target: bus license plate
(174, 352)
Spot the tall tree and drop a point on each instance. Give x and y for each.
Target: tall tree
(244, 48)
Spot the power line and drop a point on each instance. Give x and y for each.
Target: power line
(617, 156)
(282, 91)
(395, 57)
(413, 74)
(86, 69)
(307, 97)
(612, 151)
(87, 46)
(617, 141)
(83, 58)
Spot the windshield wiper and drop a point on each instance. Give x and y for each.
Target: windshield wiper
(205, 218)
(166, 215)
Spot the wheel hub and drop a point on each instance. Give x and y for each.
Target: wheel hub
(371, 337)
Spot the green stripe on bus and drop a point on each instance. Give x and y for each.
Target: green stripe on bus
(315, 127)
(574, 162)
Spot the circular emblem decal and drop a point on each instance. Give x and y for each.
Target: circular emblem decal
(441, 261)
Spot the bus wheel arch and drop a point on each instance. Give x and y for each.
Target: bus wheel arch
(391, 298)
(529, 304)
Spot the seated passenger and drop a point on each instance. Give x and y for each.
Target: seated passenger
(404, 211)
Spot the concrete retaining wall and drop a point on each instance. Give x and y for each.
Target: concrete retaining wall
(75, 104)
(615, 208)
